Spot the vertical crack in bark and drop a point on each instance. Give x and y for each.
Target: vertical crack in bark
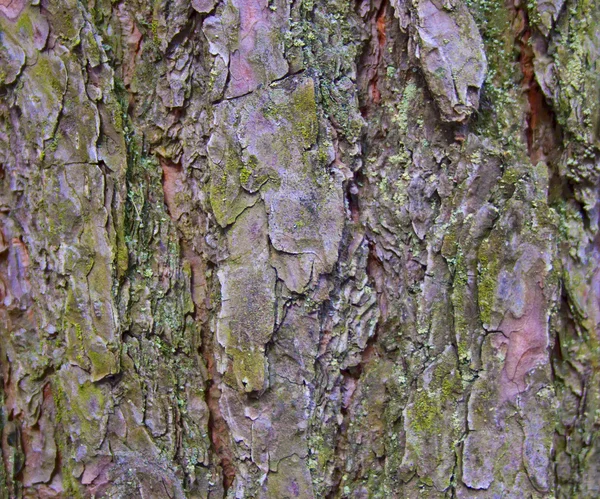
(217, 426)
(369, 62)
(368, 65)
(546, 142)
(218, 429)
(543, 135)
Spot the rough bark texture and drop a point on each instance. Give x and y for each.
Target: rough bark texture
(272, 248)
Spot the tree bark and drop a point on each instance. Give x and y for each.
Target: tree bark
(272, 248)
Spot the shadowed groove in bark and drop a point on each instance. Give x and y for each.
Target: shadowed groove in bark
(543, 132)
(218, 429)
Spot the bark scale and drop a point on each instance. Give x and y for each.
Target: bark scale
(271, 248)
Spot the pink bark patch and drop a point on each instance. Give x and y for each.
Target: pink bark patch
(133, 37)
(173, 180)
(11, 9)
(524, 341)
(252, 19)
(39, 446)
(94, 468)
(257, 58)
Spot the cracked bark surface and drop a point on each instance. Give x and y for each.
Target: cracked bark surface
(279, 249)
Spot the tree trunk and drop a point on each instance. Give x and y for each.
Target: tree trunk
(272, 248)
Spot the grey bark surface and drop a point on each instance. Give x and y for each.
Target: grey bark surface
(278, 249)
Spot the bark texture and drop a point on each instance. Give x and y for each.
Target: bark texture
(287, 248)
